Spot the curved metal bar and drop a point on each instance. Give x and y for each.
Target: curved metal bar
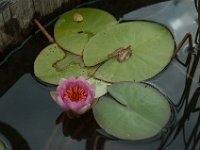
(197, 39)
(187, 36)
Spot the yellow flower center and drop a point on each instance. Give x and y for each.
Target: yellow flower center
(75, 94)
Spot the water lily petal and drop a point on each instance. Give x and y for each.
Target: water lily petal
(53, 95)
(61, 81)
(74, 94)
(84, 109)
(58, 100)
(62, 104)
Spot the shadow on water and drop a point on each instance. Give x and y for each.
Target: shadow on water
(180, 81)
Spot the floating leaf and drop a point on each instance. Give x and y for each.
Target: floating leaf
(100, 87)
(74, 28)
(2, 146)
(135, 111)
(65, 62)
(151, 47)
(52, 64)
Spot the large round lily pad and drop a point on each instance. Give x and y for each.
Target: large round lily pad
(151, 44)
(135, 111)
(52, 64)
(72, 35)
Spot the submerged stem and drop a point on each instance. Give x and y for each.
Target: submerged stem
(187, 36)
(44, 31)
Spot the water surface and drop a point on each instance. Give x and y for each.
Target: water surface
(29, 119)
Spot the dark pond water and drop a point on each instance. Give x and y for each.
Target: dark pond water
(29, 119)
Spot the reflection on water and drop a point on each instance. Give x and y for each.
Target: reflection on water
(187, 108)
(183, 133)
(179, 16)
(28, 116)
(79, 128)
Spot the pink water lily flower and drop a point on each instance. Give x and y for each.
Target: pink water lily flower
(74, 95)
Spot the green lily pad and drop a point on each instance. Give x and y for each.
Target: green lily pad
(2, 147)
(73, 35)
(53, 63)
(100, 86)
(152, 46)
(135, 111)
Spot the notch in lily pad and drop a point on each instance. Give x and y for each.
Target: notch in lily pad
(75, 28)
(134, 111)
(143, 49)
(54, 63)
